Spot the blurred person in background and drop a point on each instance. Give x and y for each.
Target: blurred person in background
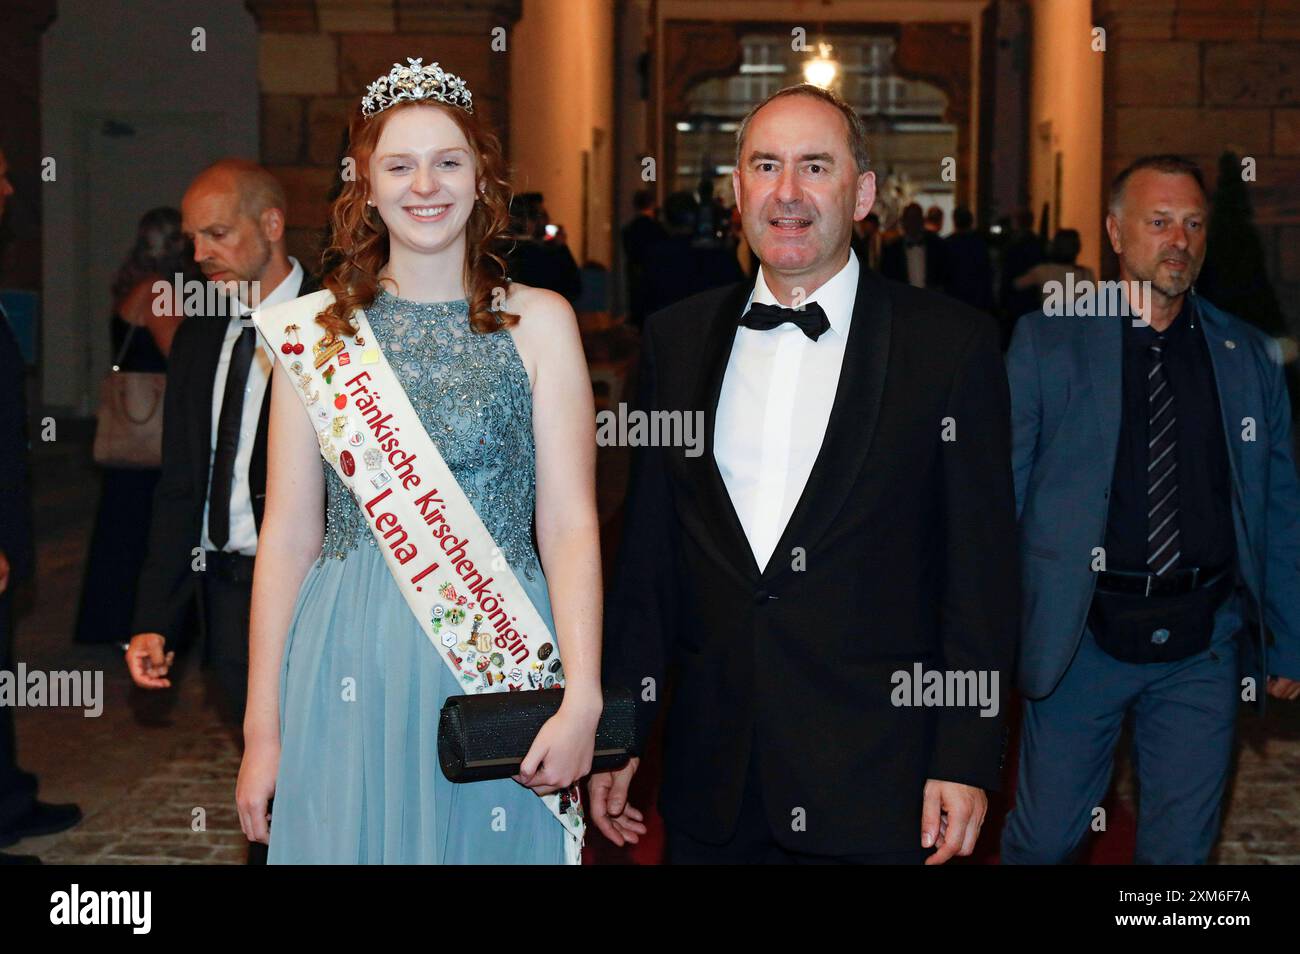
(639, 235)
(22, 815)
(1061, 255)
(919, 257)
(934, 220)
(970, 270)
(682, 264)
(141, 328)
(536, 252)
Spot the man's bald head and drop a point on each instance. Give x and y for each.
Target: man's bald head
(234, 211)
(257, 189)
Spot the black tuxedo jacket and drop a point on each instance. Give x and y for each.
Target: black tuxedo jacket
(893, 261)
(909, 556)
(167, 580)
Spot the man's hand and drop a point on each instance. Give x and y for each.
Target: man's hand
(4, 572)
(1280, 687)
(951, 817)
(146, 661)
(617, 820)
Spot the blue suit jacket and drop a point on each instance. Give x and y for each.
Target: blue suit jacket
(1065, 374)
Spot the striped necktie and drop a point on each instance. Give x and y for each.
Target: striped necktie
(1162, 468)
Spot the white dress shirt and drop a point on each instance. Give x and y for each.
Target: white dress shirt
(243, 528)
(773, 408)
(915, 264)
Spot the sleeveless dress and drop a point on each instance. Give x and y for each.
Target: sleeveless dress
(361, 685)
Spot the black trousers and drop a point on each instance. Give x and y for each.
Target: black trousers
(227, 597)
(754, 844)
(17, 788)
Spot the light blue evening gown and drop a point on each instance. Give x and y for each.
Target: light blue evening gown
(361, 685)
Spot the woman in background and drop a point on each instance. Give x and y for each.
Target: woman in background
(119, 539)
(1061, 255)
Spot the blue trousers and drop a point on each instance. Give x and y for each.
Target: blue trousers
(1184, 720)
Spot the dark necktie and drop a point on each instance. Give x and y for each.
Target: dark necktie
(1162, 473)
(810, 318)
(228, 427)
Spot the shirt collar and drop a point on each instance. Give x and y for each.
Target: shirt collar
(1184, 323)
(287, 290)
(836, 295)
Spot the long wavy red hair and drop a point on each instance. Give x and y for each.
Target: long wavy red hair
(359, 241)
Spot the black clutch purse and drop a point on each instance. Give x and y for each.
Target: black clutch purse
(486, 736)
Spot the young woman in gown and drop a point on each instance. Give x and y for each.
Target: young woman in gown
(345, 688)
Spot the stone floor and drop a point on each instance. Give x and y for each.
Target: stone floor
(155, 772)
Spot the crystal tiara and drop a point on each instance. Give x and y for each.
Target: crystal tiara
(415, 82)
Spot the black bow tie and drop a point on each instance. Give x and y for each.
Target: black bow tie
(810, 318)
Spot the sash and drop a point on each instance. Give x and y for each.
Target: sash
(454, 578)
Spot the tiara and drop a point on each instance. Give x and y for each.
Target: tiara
(415, 82)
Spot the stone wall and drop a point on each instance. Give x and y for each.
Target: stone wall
(316, 58)
(1202, 76)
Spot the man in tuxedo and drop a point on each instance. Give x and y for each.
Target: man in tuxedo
(22, 815)
(1159, 513)
(208, 505)
(866, 241)
(970, 270)
(848, 528)
(919, 257)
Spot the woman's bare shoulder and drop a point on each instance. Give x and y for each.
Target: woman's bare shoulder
(137, 303)
(539, 309)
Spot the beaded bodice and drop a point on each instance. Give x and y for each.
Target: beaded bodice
(472, 394)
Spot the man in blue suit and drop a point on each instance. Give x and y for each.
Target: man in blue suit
(1159, 512)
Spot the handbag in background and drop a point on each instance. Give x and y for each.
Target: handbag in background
(129, 422)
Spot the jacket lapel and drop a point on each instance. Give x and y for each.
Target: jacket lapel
(730, 545)
(1231, 378)
(852, 424)
(1103, 340)
(208, 357)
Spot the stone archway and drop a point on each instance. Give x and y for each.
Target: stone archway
(696, 51)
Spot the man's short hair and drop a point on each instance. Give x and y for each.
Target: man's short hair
(1167, 163)
(857, 129)
(258, 189)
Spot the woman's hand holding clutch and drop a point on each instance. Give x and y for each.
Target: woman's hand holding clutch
(561, 754)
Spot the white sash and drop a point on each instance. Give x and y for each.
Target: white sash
(482, 624)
